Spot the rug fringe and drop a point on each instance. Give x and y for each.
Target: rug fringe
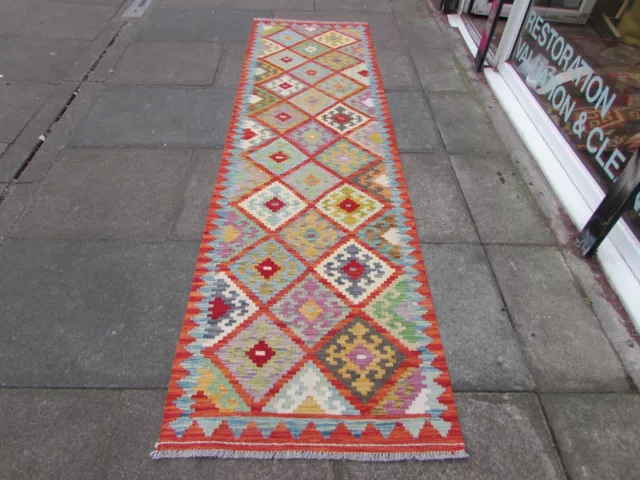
(288, 455)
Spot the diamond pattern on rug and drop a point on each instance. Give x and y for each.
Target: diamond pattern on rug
(339, 86)
(282, 117)
(349, 206)
(267, 269)
(273, 205)
(253, 134)
(309, 392)
(287, 37)
(259, 356)
(225, 308)
(286, 59)
(279, 156)
(334, 39)
(375, 180)
(310, 49)
(311, 72)
(311, 235)
(342, 119)
(383, 236)
(310, 310)
(309, 331)
(267, 47)
(361, 358)
(311, 180)
(284, 85)
(237, 233)
(264, 71)
(362, 102)
(311, 136)
(261, 99)
(355, 271)
(336, 60)
(359, 73)
(312, 101)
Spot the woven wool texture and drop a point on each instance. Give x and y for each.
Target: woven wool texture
(310, 331)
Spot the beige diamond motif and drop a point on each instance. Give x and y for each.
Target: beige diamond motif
(312, 101)
(349, 206)
(334, 39)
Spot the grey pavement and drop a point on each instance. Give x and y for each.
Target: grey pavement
(100, 226)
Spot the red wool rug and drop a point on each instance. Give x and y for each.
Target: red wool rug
(310, 331)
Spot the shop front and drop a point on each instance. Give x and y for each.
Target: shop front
(567, 72)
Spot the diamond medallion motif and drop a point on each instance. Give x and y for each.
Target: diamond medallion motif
(237, 233)
(267, 47)
(355, 271)
(372, 137)
(282, 117)
(287, 37)
(362, 358)
(311, 235)
(259, 356)
(342, 119)
(266, 269)
(286, 59)
(345, 158)
(339, 86)
(311, 72)
(253, 133)
(312, 101)
(311, 180)
(349, 206)
(261, 99)
(359, 73)
(225, 308)
(363, 102)
(383, 235)
(264, 71)
(310, 49)
(311, 136)
(273, 205)
(310, 310)
(334, 39)
(336, 61)
(279, 156)
(284, 85)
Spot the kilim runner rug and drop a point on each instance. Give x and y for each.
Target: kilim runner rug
(310, 331)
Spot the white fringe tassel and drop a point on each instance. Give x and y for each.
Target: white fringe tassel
(288, 455)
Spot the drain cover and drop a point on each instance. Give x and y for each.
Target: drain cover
(136, 9)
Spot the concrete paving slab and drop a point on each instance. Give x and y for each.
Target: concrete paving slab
(413, 123)
(505, 434)
(18, 151)
(563, 343)
(410, 8)
(438, 70)
(126, 33)
(385, 31)
(203, 173)
(598, 434)
(19, 101)
(274, 4)
(200, 25)
(136, 199)
(33, 18)
(193, 4)
(482, 349)
(38, 60)
(378, 6)
(139, 418)
(3, 147)
(106, 313)
(421, 32)
(167, 64)
(18, 198)
(463, 124)
(439, 207)
(397, 70)
(499, 202)
(49, 434)
(230, 66)
(57, 138)
(163, 117)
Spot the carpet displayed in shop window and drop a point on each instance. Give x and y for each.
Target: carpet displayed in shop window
(310, 330)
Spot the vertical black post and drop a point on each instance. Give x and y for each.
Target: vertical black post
(489, 31)
(619, 198)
